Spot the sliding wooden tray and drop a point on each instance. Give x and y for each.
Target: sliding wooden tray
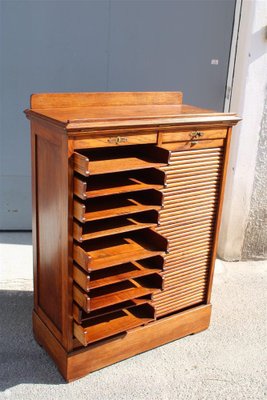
(115, 225)
(80, 316)
(119, 182)
(110, 160)
(118, 273)
(117, 205)
(109, 251)
(116, 293)
(114, 323)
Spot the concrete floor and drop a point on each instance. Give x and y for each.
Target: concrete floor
(228, 361)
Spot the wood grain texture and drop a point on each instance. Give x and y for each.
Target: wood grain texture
(78, 363)
(83, 99)
(117, 274)
(77, 111)
(104, 253)
(34, 188)
(51, 220)
(219, 212)
(193, 145)
(115, 206)
(132, 116)
(49, 229)
(138, 340)
(193, 134)
(82, 317)
(117, 183)
(114, 323)
(113, 226)
(50, 211)
(98, 161)
(116, 293)
(46, 339)
(116, 140)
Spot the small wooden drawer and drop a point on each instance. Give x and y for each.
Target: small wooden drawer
(194, 144)
(109, 140)
(193, 134)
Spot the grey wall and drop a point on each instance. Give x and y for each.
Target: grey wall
(53, 46)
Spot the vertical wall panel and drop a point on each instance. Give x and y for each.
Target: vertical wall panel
(97, 46)
(46, 46)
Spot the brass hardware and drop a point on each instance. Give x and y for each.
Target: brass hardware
(118, 139)
(193, 142)
(196, 134)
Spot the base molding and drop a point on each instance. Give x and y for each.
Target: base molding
(79, 363)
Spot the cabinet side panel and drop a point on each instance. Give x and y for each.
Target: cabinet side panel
(49, 261)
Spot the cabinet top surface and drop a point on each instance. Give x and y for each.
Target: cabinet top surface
(99, 110)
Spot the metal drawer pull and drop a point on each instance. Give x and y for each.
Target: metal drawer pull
(117, 139)
(193, 142)
(196, 134)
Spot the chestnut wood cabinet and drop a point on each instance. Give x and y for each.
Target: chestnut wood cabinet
(127, 196)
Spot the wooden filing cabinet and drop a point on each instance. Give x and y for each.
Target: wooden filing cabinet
(127, 197)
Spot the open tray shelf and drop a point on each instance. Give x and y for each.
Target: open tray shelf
(117, 205)
(118, 263)
(80, 316)
(109, 251)
(113, 226)
(117, 293)
(109, 160)
(117, 274)
(119, 182)
(114, 323)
